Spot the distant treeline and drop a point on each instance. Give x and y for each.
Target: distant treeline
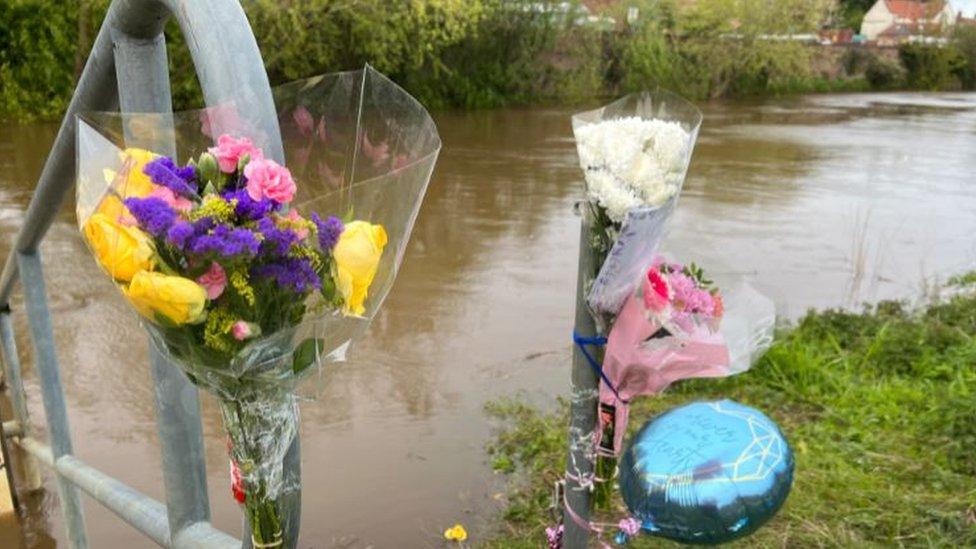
(487, 53)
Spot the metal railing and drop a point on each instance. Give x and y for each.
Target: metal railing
(128, 69)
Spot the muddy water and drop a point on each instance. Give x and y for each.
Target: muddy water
(821, 201)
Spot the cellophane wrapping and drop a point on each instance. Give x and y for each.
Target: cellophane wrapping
(359, 148)
(627, 239)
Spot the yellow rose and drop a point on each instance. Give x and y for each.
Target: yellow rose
(122, 251)
(179, 299)
(113, 208)
(136, 183)
(357, 255)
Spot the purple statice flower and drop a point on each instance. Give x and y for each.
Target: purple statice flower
(225, 241)
(247, 208)
(179, 233)
(290, 272)
(165, 173)
(329, 230)
(277, 242)
(153, 214)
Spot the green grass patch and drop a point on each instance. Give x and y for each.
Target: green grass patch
(879, 407)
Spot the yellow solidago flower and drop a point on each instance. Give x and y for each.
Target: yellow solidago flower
(357, 255)
(220, 209)
(122, 251)
(216, 332)
(240, 283)
(179, 299)
(456, 533)
(136, 183)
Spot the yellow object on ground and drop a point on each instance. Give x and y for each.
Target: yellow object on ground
(456, 533)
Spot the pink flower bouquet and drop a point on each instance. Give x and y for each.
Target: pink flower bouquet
(667, 331)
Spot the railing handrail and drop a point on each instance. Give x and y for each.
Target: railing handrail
(127, 67)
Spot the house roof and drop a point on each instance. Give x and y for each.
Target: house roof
(903, 31)
(914, 9)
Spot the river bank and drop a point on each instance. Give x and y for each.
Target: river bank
(878, 407)
(476, 54)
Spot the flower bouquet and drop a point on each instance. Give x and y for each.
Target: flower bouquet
(668, 330)
(248, 274)
(634, 154)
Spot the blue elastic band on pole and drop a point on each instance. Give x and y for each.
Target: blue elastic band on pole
(599, 341)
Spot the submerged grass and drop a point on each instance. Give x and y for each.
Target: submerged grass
(879, 407)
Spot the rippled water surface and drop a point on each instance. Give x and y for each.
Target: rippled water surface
(820, 201)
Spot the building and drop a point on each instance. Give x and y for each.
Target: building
(897, 21)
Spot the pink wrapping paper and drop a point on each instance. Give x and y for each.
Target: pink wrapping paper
(637, 367)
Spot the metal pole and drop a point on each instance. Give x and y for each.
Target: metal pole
(27, 466)
(582, 412)
(141, 511)
(143, 75)
(42, 335)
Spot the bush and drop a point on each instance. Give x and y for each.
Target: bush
(513, 55)
(964, 41)
(35, 74)
(884, 73)
(931, 67)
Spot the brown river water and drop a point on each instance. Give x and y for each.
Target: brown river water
(819, 201)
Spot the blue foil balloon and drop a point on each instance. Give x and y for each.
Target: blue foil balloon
(706, 473)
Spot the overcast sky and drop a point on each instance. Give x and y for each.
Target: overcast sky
(968, 7)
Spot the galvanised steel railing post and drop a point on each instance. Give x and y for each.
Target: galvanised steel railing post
(143, 75)
(27, 470)
(42, 337)
(231, 72)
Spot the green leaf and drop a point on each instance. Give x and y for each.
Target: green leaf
(306, 354)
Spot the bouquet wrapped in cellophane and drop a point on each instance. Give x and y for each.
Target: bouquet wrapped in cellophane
(249, 271)
(634, 154)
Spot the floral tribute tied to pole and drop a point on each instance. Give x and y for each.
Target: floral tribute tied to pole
(657, 320)
(249, 272)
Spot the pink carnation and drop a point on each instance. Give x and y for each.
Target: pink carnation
(297, 223)
(230, 150)
(268, 179)
(242, 330)
(657, 291)
(213, 281)
(684, 291)
(170, 198)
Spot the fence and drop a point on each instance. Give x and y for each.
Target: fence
(128, 70)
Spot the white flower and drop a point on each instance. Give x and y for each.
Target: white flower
(632, 162)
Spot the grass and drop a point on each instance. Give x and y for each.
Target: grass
(879, 407)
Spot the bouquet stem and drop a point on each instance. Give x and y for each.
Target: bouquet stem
(261, 428)
(603, 491)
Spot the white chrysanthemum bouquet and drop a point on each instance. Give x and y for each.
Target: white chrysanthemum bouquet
(632, 162)
(634, 154)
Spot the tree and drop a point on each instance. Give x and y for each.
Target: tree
(853, 11)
